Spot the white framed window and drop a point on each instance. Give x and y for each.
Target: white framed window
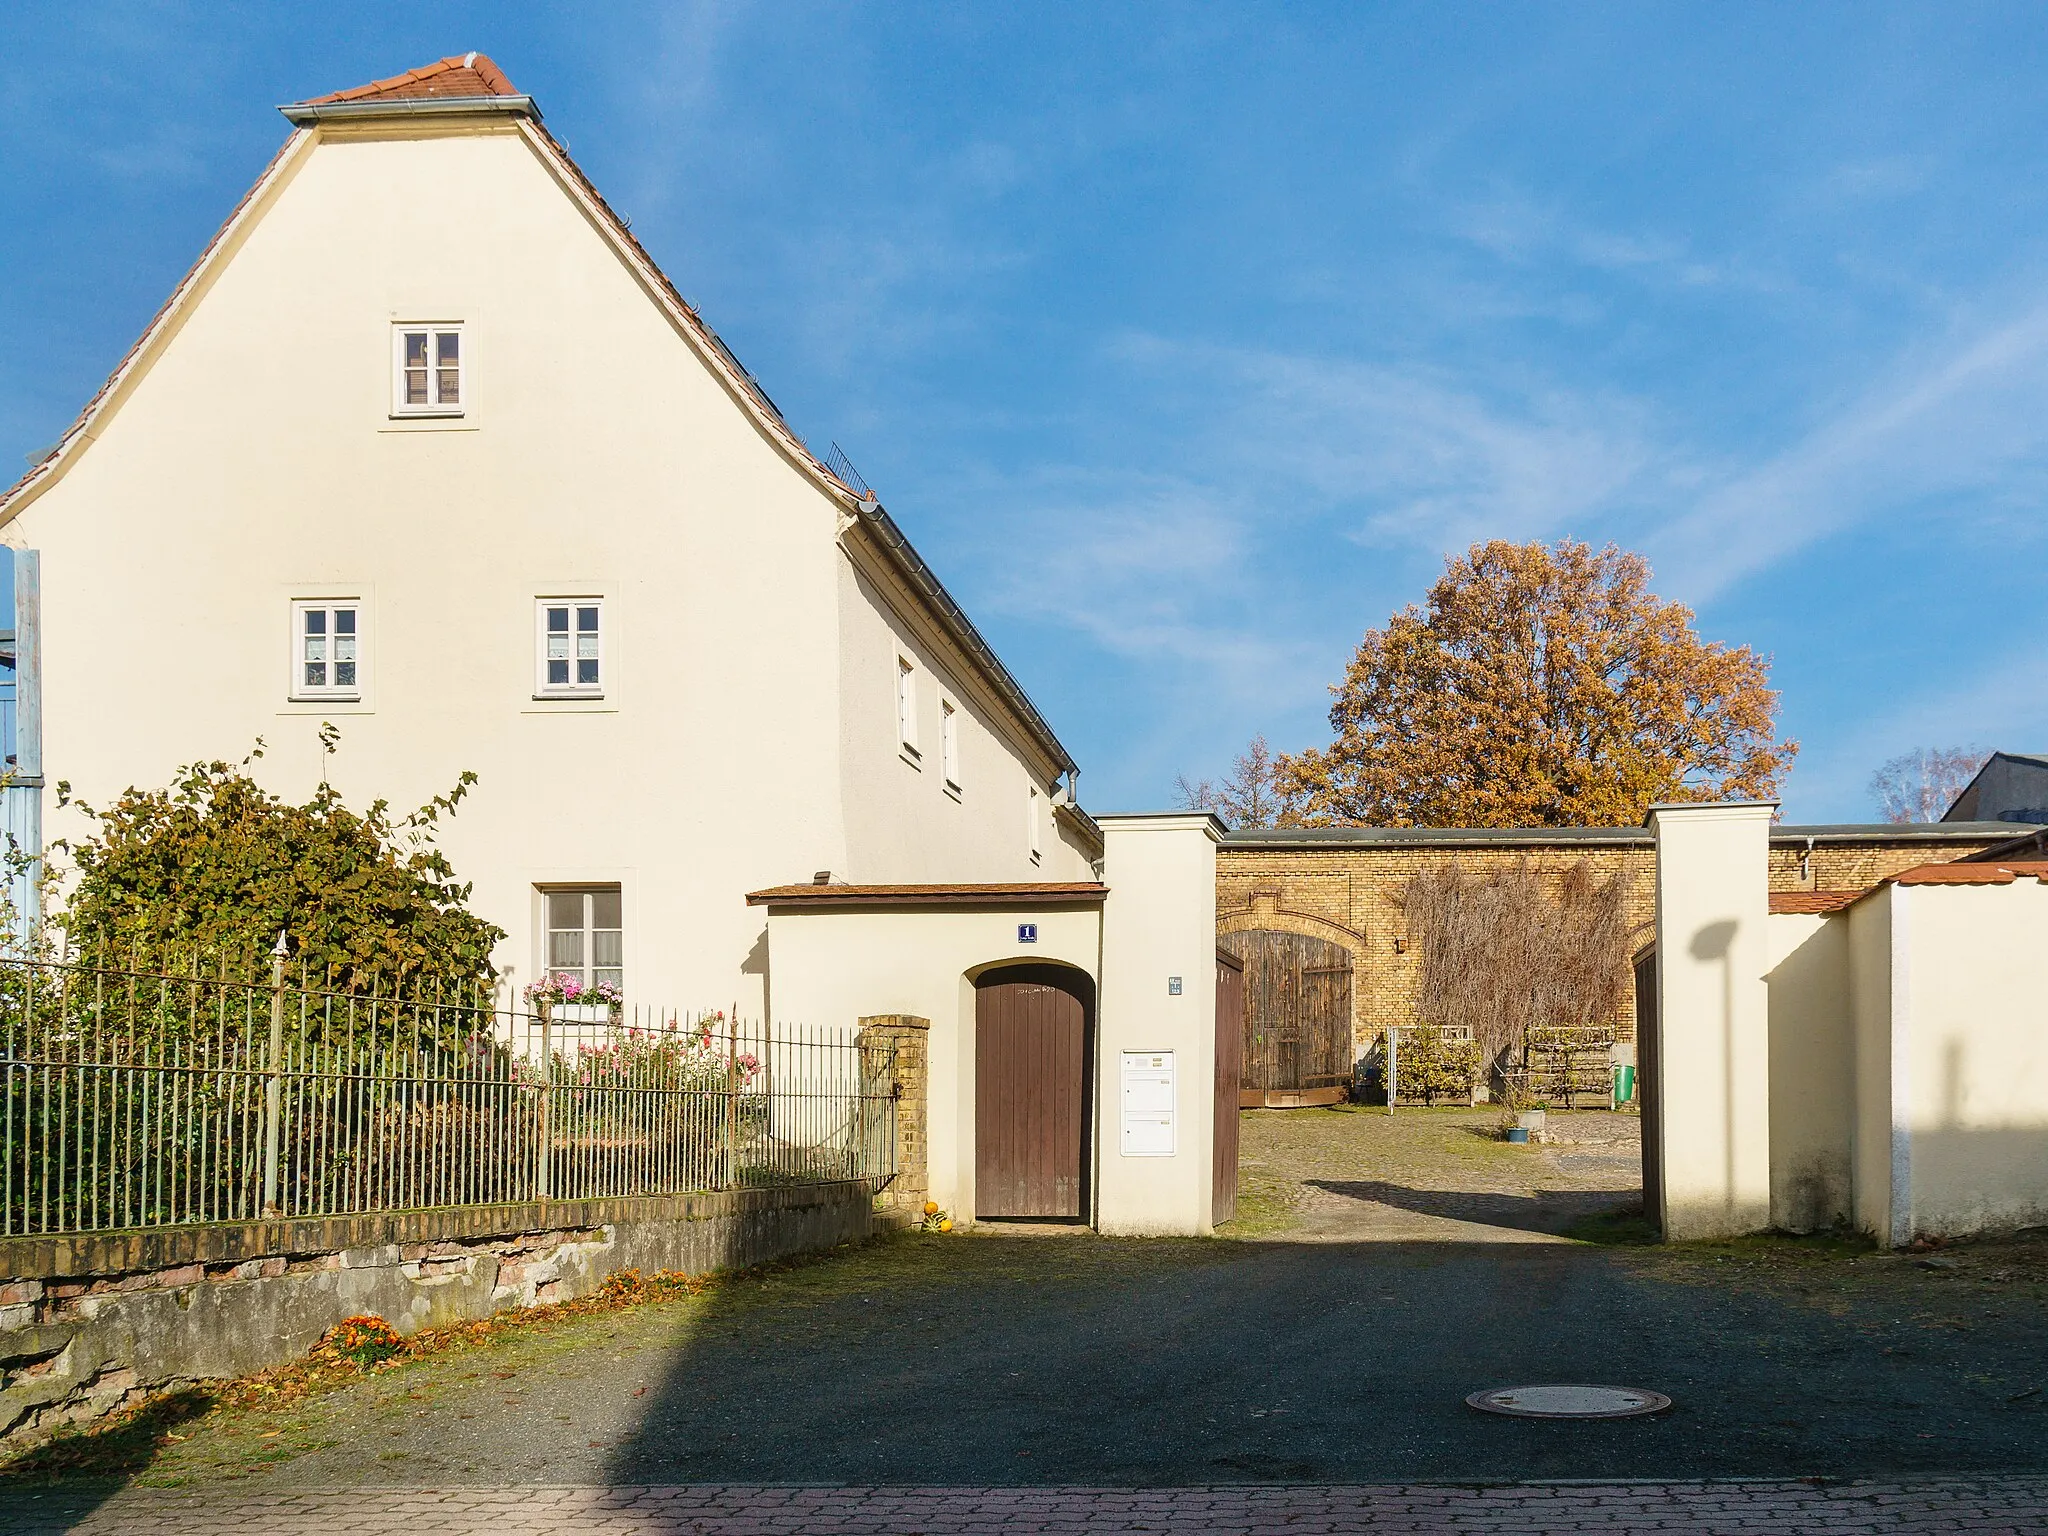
(586, 935)
(1031, 824)
(427, 370)
(906, 706)
(569, 660)
(327, 648)
(949, 742)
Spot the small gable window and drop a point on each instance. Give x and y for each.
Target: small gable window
(906, 708)
(949, 743)
(426, 370)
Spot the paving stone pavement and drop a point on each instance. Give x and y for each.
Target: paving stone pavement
(1982, 1505)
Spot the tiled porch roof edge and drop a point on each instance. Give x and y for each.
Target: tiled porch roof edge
(1030, 894)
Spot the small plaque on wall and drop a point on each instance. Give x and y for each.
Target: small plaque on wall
(1027, 933)
(1148, 1119)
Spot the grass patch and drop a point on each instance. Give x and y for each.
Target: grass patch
(1615, 1229)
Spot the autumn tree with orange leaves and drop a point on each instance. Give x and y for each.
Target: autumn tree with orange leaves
(1544, 686)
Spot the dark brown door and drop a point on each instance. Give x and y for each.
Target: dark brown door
(1229, 1068)
(1031, 1093)
(1649, 1086)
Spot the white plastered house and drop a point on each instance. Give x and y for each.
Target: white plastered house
(427, 447)
(586, 558)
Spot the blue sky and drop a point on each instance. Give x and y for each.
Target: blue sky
(1185, 340)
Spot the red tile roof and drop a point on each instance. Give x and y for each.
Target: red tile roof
(2003, 873)
(1784, 903)
(1033, 894)
(1973, 874)
(466, 75)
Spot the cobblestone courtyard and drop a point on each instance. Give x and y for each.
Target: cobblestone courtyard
(1305, 1372)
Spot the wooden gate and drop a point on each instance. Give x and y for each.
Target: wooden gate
(1229, 1073)
(1031, 1101)
(1649, 1086)
(1297, 1019)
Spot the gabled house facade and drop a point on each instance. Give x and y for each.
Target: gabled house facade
(427, 447)
(2011, 786)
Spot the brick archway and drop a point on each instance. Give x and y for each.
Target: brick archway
(1277, 919)
(1266, 914)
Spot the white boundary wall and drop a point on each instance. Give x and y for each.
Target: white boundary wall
(1713, 1017)
(1899, 1081)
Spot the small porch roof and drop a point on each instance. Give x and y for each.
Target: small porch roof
(1026, 894)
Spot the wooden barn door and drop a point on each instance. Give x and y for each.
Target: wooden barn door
(1229, 1073)
(1031, 1096)
(1297, 1007)
(1650, 1086)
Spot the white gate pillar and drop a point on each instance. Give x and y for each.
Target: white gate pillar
(1713, 1019)
(1155, 1075)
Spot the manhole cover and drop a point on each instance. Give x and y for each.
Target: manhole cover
(1570, 1402)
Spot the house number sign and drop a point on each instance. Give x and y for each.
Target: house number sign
(1148, 1104)
(1027, 933)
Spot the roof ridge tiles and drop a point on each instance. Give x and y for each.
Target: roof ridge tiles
(458, 75)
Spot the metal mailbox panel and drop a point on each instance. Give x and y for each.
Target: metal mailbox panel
(1148, 1104)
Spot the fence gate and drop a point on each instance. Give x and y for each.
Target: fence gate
(1229, 1073)
(1031, 1099)
(1297, 1019)
(1650, 1087)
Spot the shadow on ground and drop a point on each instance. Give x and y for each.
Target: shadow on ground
(1007, 1359)
(1015, 1357)
(991, 1360)
(1549, 1211)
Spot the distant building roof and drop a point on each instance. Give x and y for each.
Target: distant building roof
(1595, 837)
(2010, 785)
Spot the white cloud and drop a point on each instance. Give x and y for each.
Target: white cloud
(1152, 569)
(1411, 456)
(1524, 233)
(1954, 421)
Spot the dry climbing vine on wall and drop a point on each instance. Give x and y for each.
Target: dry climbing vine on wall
(1520, 946)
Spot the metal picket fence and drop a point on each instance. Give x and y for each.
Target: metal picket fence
(130, 1098)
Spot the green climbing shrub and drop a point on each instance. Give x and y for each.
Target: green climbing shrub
(209, 870)
(1429, 1067)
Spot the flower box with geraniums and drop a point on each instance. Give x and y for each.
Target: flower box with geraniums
(561, 997)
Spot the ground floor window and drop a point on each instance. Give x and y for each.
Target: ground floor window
(586, 934)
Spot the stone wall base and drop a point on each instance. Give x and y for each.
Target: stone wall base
(96, 1323)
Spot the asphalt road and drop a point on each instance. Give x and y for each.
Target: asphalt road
(978, 1360)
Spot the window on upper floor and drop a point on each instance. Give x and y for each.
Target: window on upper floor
(949, 743)
(327, 648)
(1031, 824)
(586, 934)
(426, 370)
(906, 706)
(568, 647)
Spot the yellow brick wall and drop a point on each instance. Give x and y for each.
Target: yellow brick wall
(1350, 896)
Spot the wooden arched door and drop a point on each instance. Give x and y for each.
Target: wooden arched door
(1297, 1019)
(1032, 1028)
